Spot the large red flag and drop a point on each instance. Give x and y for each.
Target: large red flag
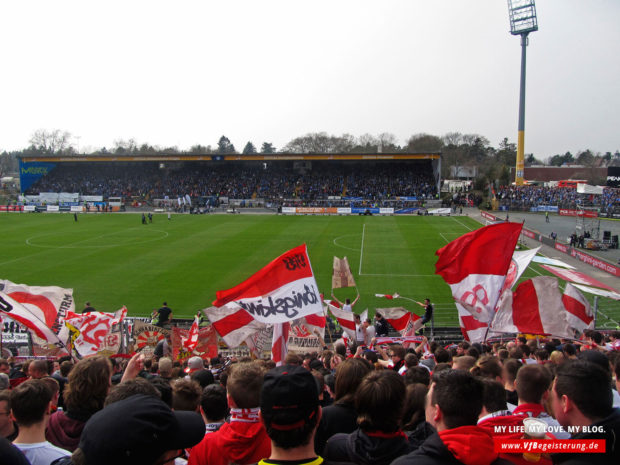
(475, 267)
(476, 331)
(282, 291)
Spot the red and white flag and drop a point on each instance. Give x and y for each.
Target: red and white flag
(279, 345)
(282, 291)
(534, 307)
(233, 324)
(310, 324)
(41, 309)
(472, 329)
(346, 319)
(399, 340)
(578, 312)
(387, 296)
(475, 267)
(88, 331)
(192, 336)
(476, 331)
(401, 319)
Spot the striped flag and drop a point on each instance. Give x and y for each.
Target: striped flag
(345, 319)
(282, 291)
(578, 312)
(342, 276)
(474, 330)
(535, 307)
(42, 309)
(402, 320)
(233, 324)
(279, 344)
(475, 267)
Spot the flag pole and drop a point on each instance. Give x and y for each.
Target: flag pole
(329, 331)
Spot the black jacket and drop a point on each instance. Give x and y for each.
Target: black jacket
(477, 449)
(422, 431)
(360, 449)
(382, 327)
(611, 434)
(337, 418)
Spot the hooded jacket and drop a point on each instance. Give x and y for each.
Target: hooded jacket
(365, 449)
(236, 442)
(64, 431)
(469, 445)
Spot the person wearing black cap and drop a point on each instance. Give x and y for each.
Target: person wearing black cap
(290, 411)
(140, 429)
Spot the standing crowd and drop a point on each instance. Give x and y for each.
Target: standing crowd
(419, 405)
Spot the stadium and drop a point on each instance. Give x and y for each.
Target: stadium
(397, 283)
(217, 219)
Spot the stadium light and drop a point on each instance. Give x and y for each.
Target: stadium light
(523, 20)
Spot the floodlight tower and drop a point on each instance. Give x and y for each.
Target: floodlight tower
(522, 21)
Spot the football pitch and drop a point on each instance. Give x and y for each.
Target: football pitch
(113, 260)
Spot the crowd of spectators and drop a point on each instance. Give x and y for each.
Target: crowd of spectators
(147, 181)
(525, 197)
(422, 405)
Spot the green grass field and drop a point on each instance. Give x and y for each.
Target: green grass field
(113, 260)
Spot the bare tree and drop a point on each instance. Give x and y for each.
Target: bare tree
(453, 138)
(125, 147)
(321, 142)
(50, 142)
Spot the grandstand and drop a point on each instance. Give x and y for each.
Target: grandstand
(258, 180)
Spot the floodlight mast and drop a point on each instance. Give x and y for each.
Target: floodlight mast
(523, 20)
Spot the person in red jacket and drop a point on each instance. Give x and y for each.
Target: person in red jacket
(453, 404)
(243, 440)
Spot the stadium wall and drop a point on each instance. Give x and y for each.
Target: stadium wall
(578, 254)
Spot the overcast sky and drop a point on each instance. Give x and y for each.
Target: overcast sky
(186, 72)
